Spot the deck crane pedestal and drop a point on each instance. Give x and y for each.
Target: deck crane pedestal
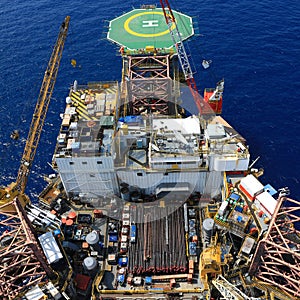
(17, 188)
(206, 107)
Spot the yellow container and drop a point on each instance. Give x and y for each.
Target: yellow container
(149, 48)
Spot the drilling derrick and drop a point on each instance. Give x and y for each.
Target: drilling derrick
(23, 263)
(277, 259)
(149, 83)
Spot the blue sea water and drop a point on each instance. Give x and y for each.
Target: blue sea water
(254, 45)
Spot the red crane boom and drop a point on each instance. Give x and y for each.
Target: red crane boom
(182, 55)
(202, 106)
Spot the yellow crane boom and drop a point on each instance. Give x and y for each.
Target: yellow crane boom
(41, 108)
(17, 189)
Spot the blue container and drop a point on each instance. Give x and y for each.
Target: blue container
(268, 188)
(148, 280)
(234, 197)
(133, 119)
(139, 143)
(113, 237)
(238, 208)
(239, 219)
(123, 261)
(133, 233)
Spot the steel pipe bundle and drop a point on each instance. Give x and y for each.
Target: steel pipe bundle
(160, 244)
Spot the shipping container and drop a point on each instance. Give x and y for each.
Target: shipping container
(50, 247)
(251, 186)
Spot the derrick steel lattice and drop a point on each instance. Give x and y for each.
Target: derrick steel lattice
(149, 83)
(277, 257)
(229, 291)
(22, 262)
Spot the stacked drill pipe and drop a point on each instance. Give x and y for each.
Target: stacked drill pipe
(147, 237)
(160, 244)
